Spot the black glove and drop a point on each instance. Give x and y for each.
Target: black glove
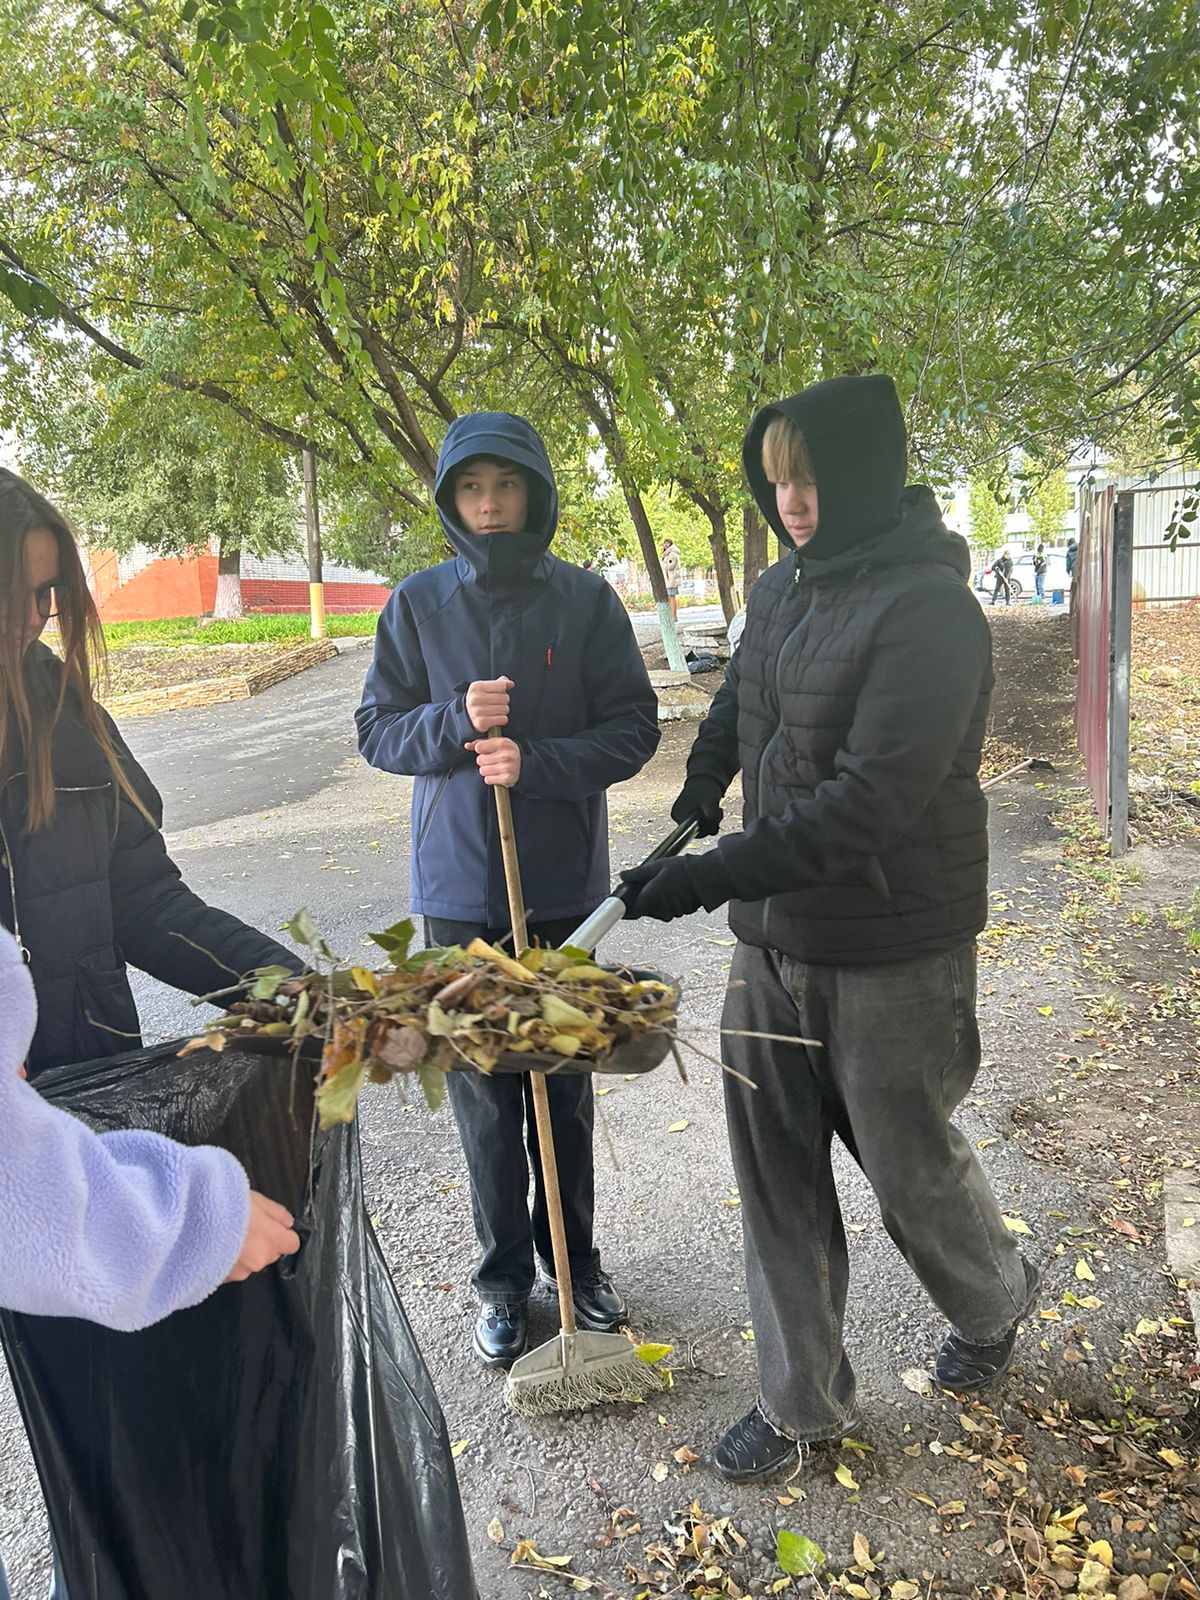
(700, 797)
(675, 886)
(663, 889)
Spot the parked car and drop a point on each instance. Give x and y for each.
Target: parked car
(1021, 582)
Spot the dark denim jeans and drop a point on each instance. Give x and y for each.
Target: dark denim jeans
(499, 1139)
(900, 1051)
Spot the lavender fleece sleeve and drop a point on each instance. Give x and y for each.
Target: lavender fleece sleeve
(118, 1228)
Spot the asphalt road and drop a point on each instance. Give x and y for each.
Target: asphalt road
(268, 808)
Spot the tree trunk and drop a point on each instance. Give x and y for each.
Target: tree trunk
(658, 584)
(719, 543)
(755, 547)
(312, 532)
(610, 436)
(228, 605)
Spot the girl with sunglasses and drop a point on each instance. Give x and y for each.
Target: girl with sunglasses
(86, 883)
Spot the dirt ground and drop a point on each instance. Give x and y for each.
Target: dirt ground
(1080, 1474)
(136, 667)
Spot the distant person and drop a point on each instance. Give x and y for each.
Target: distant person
(672, 567)
(1002, 573)
(1039, 571)
(1072, 558)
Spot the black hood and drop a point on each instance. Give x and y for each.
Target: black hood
(506, 556)
(854, 430)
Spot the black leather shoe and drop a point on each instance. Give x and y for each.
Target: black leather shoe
(755, 1448)
(965, 1367)
(598, 1306)
(501, 1331)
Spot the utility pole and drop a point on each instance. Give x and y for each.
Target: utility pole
(312, 529)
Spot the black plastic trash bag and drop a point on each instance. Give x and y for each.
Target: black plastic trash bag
(703, 661)
(281, 1441)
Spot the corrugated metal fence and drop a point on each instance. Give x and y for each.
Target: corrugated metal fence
(1101, 603)
(1125, 562)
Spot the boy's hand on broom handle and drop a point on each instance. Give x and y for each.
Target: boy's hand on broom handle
(498, 760)
(487, 704)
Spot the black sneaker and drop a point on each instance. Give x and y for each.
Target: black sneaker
(755, 1448)
(598, 1306)
(501, 1331)
(964, 1367)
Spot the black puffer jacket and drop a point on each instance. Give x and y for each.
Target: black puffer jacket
(856, 708)
(96, 889)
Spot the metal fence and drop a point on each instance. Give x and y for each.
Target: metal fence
(1101, 610)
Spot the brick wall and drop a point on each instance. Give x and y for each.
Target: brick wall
(289, 595)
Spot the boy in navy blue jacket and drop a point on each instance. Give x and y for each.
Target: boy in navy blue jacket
(506, 635)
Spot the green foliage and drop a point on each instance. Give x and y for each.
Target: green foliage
(1048, 500)
(134, 465)
(987, 517)
(670, 517)
(246, 630)
(344, 226)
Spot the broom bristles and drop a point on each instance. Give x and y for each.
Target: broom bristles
(626, 1378)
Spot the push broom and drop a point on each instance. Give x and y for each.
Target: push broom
(575, 1369)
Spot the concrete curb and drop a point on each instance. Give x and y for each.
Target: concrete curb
(1181, 1194)
(217, 691)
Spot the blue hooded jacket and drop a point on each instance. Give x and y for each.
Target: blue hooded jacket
(582, 709)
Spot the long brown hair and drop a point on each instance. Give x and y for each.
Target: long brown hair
(28, 713)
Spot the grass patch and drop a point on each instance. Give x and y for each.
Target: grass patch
(249, 630)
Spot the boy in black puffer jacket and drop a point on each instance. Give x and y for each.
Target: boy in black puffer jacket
(855, 708)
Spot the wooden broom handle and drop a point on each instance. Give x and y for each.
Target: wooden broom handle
(541, 1099)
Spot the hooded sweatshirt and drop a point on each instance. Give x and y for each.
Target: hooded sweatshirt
(582, 709)
(118, 1228)
(855, 707)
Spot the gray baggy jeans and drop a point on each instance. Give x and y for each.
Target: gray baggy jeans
(900, 1051)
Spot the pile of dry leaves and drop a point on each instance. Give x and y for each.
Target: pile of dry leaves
(433, 1011)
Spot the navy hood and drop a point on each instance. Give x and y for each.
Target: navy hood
(511, 556)
(854, 430)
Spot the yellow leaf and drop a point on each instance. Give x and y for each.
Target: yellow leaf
(495, 1531)
(678, 1127)
(1172, 1458)
(1082, 1270)
(457, 1449)
(1045, 1011)
(659, 1471)
(862, 1553)
(651, 1353)
(902, 1589)
(364, 980)
(1067, 1519)
(1016, 1225)
(1100, 1550)
(845, 1477)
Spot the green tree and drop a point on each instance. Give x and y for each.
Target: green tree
(1048, 499)
(987, 512)
(134, 466)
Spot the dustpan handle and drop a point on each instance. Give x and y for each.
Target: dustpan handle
(612, 910)
(541, 1098)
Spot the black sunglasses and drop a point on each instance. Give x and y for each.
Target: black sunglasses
(49, 598)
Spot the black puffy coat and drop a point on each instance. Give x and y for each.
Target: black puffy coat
(97, 889)
(856, 708)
